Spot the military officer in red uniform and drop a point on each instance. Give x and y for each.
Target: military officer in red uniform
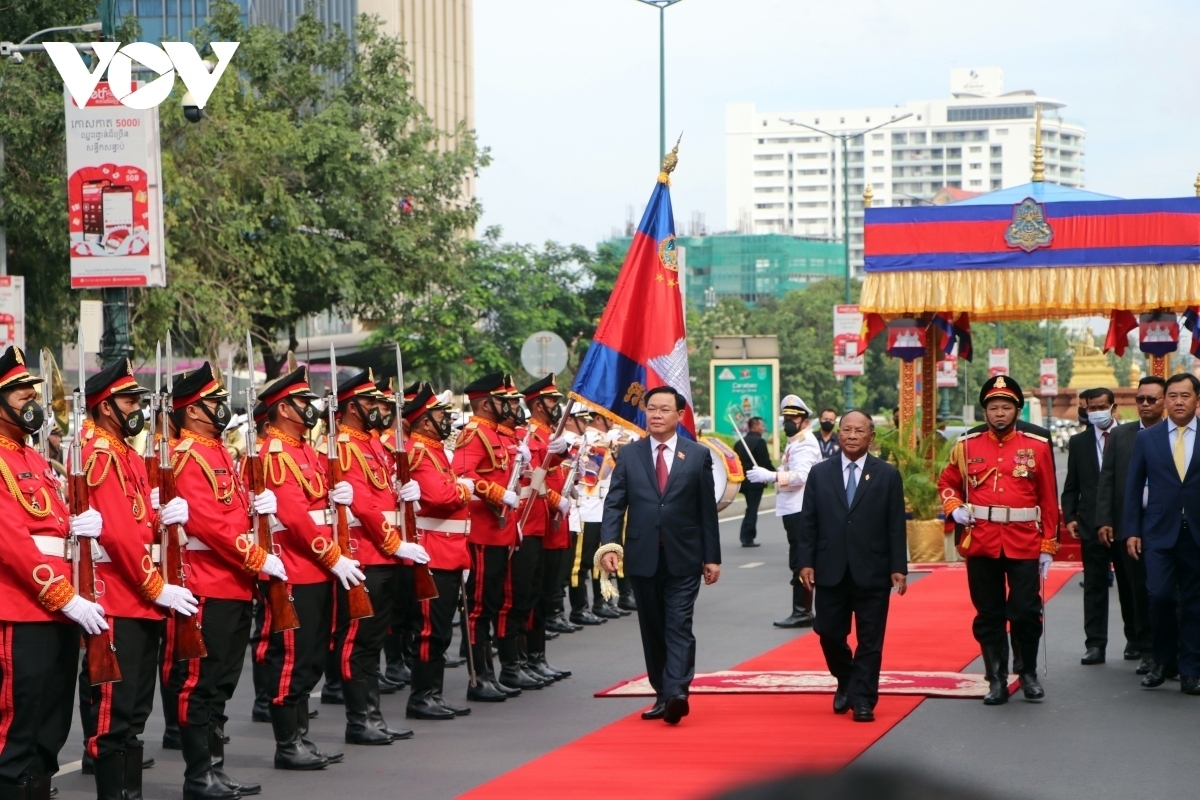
(1000, 485)
(312, 559)
(135, 595)
(486, 458)
(223, 563)
(442, 528)
(39, 609)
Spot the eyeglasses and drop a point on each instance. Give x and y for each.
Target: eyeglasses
(1144, 399)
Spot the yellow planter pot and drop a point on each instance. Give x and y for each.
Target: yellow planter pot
(926, 541)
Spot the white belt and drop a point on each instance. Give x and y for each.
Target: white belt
(195, 544)
(321, 516)
(51, 545)
(1004, 514)
(444, 525)
(101, 555)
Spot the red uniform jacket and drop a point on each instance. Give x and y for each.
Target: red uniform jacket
(556, 538)
(366, 466)
(442, 498)
(1016, 471)
(296, 474)
(119, 489)
(538, 522)
(485, 458)
(35, 584)
(222, 559)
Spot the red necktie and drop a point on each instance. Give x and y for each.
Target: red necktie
(1103, 441)
(660, 469)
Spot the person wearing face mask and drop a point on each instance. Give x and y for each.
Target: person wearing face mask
(486, 458)
(1000, 486)
(826, 437)
(1085, 455)
(135, 595)
(374, 527)
(308, 546)
(801, 455)
(222, 562)
(39, 609)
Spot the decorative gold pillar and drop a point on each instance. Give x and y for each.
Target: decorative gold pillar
(908, 399)
(929, 391)
(1159, 366)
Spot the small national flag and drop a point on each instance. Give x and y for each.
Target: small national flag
(1191, 321)
(873, 325)
(1120, 325)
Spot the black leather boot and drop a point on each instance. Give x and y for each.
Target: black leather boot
(216, 750)
(200, 781)
(421, 704)
(437, 674)
(25, 790)
(290, 753)
(801, 616)
(262, 695)
(1029, 684)
(359, 729)
(995, 667)
(109, 771)
(511, 673)
(484, 690)
(375, 712)
(302, 718)
(133, 772)
(523, 661)
(536, 641)
(331, 691)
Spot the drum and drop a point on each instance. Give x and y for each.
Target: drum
(727, 471)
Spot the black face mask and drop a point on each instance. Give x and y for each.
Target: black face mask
(30, 418)
(791, 427)
(308, 413)
(444, 427)
(506, 410)
(555, 412)
(826, 425)
(219, 417)
(385, 420)
(130, 424)
(372, 417)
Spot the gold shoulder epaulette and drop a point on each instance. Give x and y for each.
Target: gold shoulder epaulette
(467, 434)
(470, 426)
(1035, 436)
(343, 437)
(969, 435)
(276, 446)
(322, 447)
(416, 455)
(102, 443)
(184, 445)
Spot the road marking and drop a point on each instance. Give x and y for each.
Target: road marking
(74, 766)
(752, 564)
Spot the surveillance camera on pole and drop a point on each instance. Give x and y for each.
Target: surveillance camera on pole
(191, 111)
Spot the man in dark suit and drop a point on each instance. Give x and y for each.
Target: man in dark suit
(1166, 533)
(757, 455)
(665, 483)
(1085, 452)
(1151, 402)
(853, 547)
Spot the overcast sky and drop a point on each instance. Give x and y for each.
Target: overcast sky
(566, 91)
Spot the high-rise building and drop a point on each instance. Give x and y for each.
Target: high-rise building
(781, 178)
(170, 20)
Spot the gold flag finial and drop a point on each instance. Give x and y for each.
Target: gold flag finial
(1039, 164)
(868, 196)
(669, 161)
(1197, 184)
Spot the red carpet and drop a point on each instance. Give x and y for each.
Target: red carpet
(815, 681)
(732, 739)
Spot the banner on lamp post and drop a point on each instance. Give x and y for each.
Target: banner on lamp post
(947, 372)
(997, 361)
(1048, 378)
(847, 341)
(12, 311)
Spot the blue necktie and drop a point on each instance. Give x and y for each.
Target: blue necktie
(851, 485)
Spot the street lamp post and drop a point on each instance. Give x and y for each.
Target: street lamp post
(847, 382)
(662, 6)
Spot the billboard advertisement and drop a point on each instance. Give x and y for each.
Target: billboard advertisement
(847, 341)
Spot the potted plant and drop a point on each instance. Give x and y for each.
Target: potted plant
(920, 467)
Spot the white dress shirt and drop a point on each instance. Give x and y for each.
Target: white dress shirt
(668, 454)
(1100, 441)
(858, 469)
(799, 457)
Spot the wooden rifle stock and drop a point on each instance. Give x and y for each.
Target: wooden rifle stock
(357, 602)
(189, 640)
(102, 664)
(279, 599)
(425, 587)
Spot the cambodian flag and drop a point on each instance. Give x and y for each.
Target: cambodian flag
(641, 343)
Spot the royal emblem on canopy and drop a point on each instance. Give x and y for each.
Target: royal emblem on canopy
(1029, 229)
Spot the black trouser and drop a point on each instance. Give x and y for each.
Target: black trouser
(586, 545)
(524, 589)
(858, 673)
(792, 523)
(403, 617)
(295, 659)
(1172, 581)
(114, 714)
(485, 589)
(435, 618)
(1020, 608)
(665, 605)
(550, 604)
(1135, 569)
(37, 679)
(753, 493)
(202, 686)
(357, 643)
(1097, 558)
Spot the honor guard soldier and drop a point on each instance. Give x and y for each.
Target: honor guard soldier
(569, 471)
(442, 526)
(38, 605)
(223, 563)
(312, 558)
(800, 455)
(1000, 485)
(487, 459)
(358, 643)
(135, 594)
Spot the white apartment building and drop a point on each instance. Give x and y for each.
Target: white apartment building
(781, 178)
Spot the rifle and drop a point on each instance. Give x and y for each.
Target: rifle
(581, 456)
(279, 597)
(102, 666)
(514, 478)
(426, 589)
(357, 602)
(538, 479)
(189, 639)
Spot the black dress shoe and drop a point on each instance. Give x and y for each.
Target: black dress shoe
(863, 712)
(1189, 684)
(657, 711)
(841, 701)
(1145, 666)
(1171, 671)
(617, 607)
(751, 544)
(586, 617)
(454, 661)
(560, 625)
(627, 603)
(1132, 653)
(800, 618)
(1093, 656)
(605, 611)
(1029, 684)
(676, 709)
(386, 686)
(1154, 678)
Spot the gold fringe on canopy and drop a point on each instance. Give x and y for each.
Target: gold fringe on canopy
(1032, 293)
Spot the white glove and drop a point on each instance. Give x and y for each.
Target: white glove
(174, 512)
(87, 524)
(1044, 561)
(559, 446)
(467, 482)
(413, 552)
(511, 499)
(85, 614)
(177, 598)
(342, 493)
(347, 572)
(961, 515)
(613, 436)
(154, 498)
(274, 567)
(564, 506)
(410, 492)
(760, 475)
(265, 503)
(523, 451)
